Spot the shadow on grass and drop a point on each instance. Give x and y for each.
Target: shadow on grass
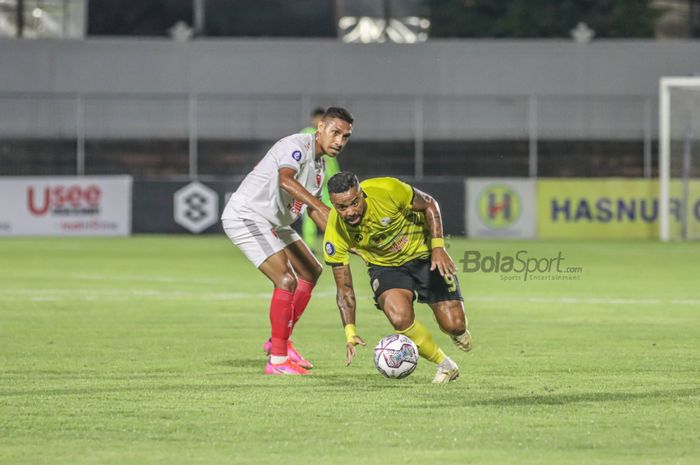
(90, 375)
(565, 399)
(326, 382)
(242, 363)
(358, 382)
(556, 399)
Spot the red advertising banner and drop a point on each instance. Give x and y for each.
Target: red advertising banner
(65, 206)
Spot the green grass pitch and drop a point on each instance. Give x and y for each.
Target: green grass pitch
(147, 350)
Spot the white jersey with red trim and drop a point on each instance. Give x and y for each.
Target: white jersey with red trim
(260, 193)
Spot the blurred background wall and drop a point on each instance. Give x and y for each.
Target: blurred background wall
(478, 108)
(439, 88)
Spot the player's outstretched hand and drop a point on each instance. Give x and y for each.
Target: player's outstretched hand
(350, 349)
(324, 211)
(319, 215)
(440, 259)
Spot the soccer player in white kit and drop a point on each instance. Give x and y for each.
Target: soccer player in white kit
(257, 218)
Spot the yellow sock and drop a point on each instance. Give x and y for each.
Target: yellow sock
(427, 347)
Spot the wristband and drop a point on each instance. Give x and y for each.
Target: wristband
(437, 242)
(350, 333)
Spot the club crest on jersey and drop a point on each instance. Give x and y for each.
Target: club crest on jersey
(330, 249)
(385, 221)
(318, 180)
(296, 155)
(358, 237)
(378, 238)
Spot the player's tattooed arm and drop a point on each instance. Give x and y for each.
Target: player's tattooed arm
(346, 305)
(439, 259)
(426, 204)
(299, 192)
(345, 296)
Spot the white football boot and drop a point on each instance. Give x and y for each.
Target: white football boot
(446, 371)
(463, 341)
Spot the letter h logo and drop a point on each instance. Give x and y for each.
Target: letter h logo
(495, 207)
(499, 206)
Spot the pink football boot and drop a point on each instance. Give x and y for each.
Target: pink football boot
(292, 352)
(286, 368)
(296, 357)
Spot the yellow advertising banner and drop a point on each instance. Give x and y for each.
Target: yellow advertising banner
(610, 208)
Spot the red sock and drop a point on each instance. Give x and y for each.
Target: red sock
(280, 320)
(301, 299)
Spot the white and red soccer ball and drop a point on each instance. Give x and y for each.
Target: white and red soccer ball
(396, 356)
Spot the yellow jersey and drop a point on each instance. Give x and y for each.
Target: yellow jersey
(390, 233)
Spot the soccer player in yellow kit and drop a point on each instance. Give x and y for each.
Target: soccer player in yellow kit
(397, 230)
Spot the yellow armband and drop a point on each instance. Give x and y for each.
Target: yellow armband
(436, 242)
(350, 333)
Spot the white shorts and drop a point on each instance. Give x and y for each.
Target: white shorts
(258, 239)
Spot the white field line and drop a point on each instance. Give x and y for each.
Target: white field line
(584, 300)
(148, 278)
(131, 278)
(48, 295)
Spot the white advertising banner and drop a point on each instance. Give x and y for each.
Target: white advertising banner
(501, 208)
(65, 206)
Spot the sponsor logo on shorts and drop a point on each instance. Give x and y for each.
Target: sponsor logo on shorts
(375, 284)
(330, 249)
(296, 155)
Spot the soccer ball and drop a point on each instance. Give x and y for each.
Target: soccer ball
(396, 356)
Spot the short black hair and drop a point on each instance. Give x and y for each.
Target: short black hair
(340, 113)
(342, 182)
(318, 111)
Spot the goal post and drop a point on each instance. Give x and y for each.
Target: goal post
(679, 147)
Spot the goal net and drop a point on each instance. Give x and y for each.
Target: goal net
(679, 158)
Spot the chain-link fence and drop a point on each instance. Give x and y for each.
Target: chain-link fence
(424, 135)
